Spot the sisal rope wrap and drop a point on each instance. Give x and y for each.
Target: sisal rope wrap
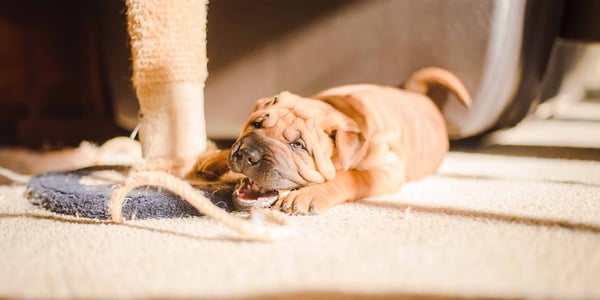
(265, 225)
(168, 40)
(168, 48)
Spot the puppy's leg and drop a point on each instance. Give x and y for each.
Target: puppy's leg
(211, 166)
(346, 186)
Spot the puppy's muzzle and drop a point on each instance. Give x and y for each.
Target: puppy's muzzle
(246, 155)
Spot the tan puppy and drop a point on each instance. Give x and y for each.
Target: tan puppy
(343, 144)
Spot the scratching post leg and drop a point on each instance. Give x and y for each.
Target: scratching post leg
(168, 44)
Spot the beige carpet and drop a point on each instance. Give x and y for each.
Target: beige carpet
(516, 218)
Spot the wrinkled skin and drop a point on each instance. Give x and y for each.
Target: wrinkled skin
(344, 144)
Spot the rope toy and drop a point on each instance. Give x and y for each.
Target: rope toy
(264, 225)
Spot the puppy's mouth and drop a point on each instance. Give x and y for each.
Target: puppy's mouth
(248, 195)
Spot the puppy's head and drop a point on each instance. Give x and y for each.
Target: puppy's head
(290, 142)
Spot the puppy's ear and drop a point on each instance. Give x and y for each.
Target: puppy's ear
(263, 103)
(270, 101)
(350, 147)
(349, 142)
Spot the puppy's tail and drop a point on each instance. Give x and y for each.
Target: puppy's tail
(421, 80)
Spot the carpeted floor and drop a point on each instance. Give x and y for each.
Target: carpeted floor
(515, 217)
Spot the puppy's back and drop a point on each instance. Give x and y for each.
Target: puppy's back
(409, 123)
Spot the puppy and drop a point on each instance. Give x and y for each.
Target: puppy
(343, 144)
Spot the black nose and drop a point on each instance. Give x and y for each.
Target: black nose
(244, 156)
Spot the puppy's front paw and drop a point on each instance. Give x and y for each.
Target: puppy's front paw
(212, 166)
(308, 200)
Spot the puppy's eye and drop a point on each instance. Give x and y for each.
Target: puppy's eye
(258, 123)
(298, 145)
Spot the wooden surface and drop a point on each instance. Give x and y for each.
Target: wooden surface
(51, 88)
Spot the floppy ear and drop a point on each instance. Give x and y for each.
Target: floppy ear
(350, 147)
(263, 103)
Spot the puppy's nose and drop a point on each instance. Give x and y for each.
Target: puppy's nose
(249, 155)
(243, 157)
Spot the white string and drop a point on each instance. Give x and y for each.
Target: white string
(134, 132)
(14, 177)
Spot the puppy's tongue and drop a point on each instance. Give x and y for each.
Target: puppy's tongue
(249, 194)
